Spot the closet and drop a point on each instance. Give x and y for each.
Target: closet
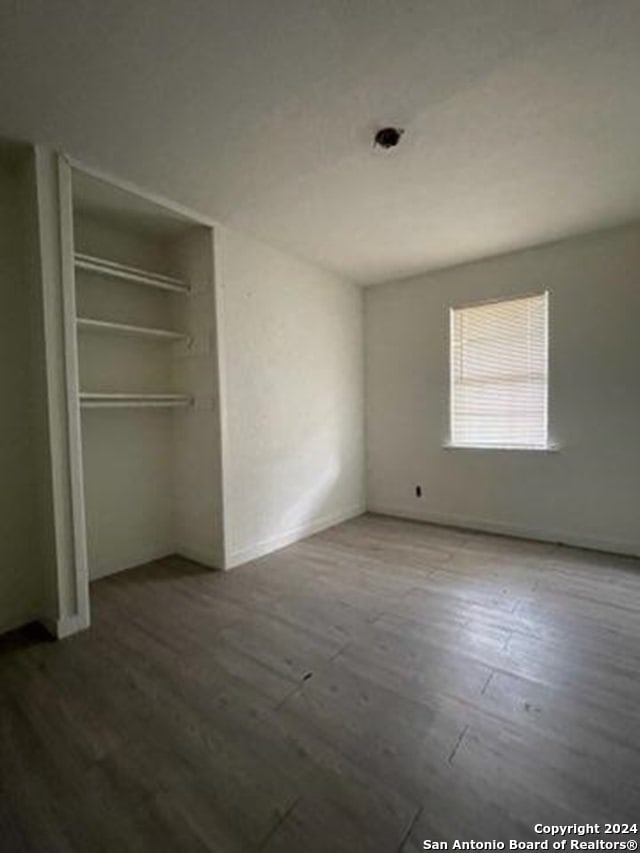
(112, 433)
(142, 376)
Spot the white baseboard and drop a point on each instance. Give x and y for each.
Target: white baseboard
(560, 537)
(281, 540)
(66, 625)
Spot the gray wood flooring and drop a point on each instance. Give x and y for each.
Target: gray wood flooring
(378, 684)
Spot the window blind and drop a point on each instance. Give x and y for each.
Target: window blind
(499, 374)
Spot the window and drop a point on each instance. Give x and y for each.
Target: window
(499, 369)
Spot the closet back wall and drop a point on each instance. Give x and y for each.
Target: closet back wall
(127, 453)
(588, 492)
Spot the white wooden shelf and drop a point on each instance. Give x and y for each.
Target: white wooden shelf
(87, 324)
(90, 263)
(95, 400)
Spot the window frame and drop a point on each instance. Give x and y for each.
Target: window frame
(549, 445)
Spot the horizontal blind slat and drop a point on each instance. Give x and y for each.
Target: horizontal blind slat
(499, 373)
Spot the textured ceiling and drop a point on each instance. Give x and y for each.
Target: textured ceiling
(522, 117)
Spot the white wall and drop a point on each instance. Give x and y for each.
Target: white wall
(293, 362)
(586, 493)
(21, 576)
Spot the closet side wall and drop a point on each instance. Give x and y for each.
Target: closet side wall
(198, 494)
(293, 374)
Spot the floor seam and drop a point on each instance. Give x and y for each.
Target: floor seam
(278, 823)
(286, 698)
(407, 834)
(507, 641)
(486, 684)
(457, 746)
(339, 652)
(299, 688)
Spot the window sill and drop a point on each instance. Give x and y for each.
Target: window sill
(547, 448)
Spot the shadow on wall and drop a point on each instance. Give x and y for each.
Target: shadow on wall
(299, 491)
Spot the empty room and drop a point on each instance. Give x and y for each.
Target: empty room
(320, 519)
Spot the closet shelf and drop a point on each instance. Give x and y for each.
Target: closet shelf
(105, 326)
(135, 275)
(94, 400)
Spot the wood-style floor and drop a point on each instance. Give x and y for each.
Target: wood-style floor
(381, 683)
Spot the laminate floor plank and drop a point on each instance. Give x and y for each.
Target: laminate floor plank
(607, 735)
(388, 736)
(380, 683)
(566, 776)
